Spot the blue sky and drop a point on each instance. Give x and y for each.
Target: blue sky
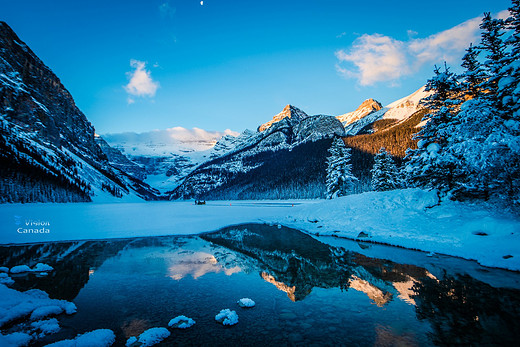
(156, 64)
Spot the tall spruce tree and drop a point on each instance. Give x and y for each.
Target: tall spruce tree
(473, 75)
(432, 165)
(494, 48)
(385, 175)
(340, 179)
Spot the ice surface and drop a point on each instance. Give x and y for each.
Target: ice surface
(246, 303)
(227, 317)
(96, 338)
(410, 218)
(181, 322)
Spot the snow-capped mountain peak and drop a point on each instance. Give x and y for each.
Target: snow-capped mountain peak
(398, 110)
(367, 107)
(289, 111)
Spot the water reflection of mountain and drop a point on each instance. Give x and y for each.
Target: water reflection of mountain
(295, 262)
(461, 309)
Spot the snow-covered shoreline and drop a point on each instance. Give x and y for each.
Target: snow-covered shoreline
(410, 218)
(414, 219)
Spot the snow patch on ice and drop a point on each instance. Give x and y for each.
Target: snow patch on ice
(41, 267)
(33, 303)
(153, 336)
(246, 303)
(181, 322)
(47, 327)
(20, 269)
(97, 338)
(45, 311)
(227, 317)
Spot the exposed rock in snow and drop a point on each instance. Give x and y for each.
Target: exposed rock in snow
(181, 322)
(246, 303)
(97, 338)
(227, 317)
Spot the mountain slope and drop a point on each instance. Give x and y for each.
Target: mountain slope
(167, 156)
(397, 111)
(282, 161)
(367, 107)
(48, 149)
(291, 112)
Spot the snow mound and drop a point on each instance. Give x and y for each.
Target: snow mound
(417, 219)
(97, 338)
(47, 327)
(150, 337)
(227, 317)
(20, 269)
(34, 303)
(15, 339)
(246, 303)
(45, 311)
(5, 279)
(131, 341)
(41, 267)
(181, 322)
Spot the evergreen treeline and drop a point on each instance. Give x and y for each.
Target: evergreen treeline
(470, 146)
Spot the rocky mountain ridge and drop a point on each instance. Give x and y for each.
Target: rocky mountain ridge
(48, 147)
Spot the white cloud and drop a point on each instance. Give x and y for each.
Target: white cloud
(379, 58)
(141, 83)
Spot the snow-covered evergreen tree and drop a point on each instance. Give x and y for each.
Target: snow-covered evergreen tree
(474, 75)
(385, 175)
(494, 49)
(470, 146)
(432, 165)
(340, 179)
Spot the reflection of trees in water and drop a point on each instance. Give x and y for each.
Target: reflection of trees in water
(71, 261)
(464, 311)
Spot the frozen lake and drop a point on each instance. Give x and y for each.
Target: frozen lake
(308, 290)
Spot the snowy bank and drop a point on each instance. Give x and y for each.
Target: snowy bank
(33, 303)
(414, 219)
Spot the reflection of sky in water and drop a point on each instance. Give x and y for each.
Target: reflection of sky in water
(196, 264)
